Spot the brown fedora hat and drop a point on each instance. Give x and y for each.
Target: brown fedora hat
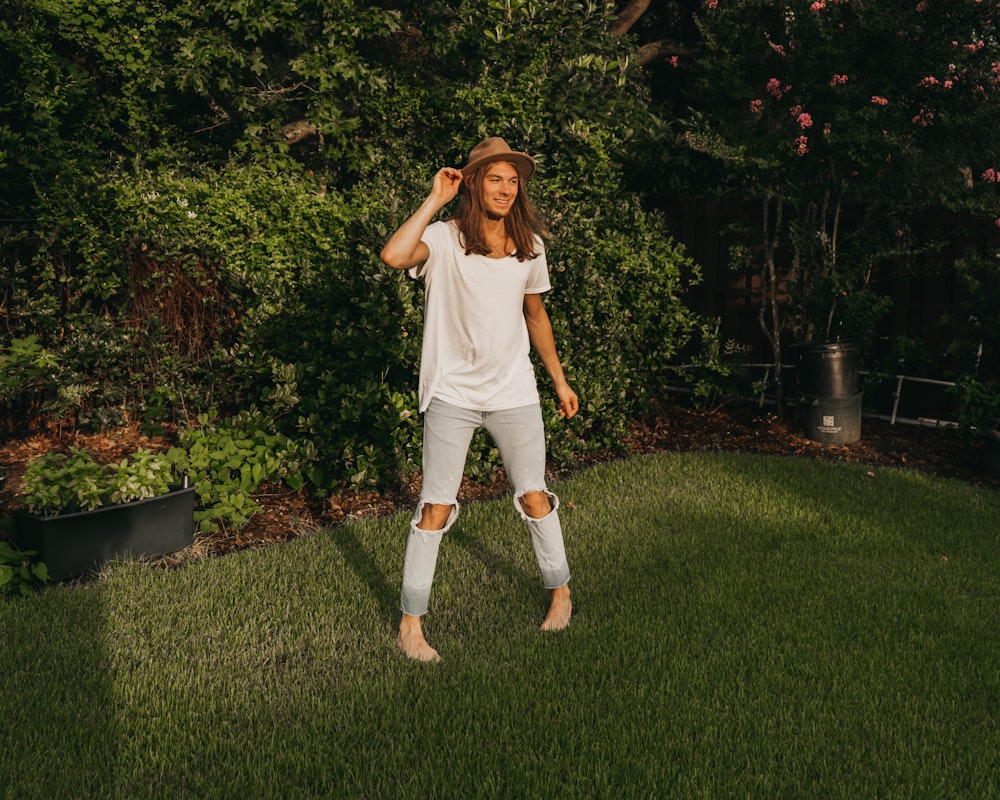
(496, 149)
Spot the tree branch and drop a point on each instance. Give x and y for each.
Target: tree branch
(657, 51)
(629, 16)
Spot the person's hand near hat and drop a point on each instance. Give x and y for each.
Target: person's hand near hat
(447, 182)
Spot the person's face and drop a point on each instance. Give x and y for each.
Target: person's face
(498, 189)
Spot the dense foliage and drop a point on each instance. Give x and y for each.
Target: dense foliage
(848, 121)
(196, 193)
(200, 191)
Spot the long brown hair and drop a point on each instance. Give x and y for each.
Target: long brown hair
(523, 223)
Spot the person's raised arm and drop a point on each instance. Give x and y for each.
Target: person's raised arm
(404, 248)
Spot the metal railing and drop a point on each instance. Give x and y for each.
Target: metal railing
(897, 395)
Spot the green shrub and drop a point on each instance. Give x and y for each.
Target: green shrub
(27, 375)
(59, 483)
(978, 408)
(282, 299)
(18, 573)
(228, 461)
(145, 474)
(617, 315)
(167, 287)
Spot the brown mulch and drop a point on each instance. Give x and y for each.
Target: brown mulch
(289, 514)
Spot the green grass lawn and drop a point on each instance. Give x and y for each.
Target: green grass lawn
(745, 627)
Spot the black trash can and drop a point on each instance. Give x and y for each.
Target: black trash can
(831, 420)
(827, 369)
(829, 391)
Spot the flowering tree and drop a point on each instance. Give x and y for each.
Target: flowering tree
(845, 119)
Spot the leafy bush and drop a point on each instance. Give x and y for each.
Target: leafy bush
(616, 309)
(60, 483)
(228, 461)
(140, 477)
(978, 408)
(248, 278)
(27, 374)
(845, 146)
(18, 574)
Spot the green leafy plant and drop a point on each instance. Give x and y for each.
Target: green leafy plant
(145, 474)
(60, 483)
(228, 461)
(28, 375)
(18, 574)
(978, 408)
(723, 376)
(25, 366)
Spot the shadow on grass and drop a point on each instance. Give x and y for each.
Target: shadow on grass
(500, 546)
(364, 565)
(59, 715)
(493, 561)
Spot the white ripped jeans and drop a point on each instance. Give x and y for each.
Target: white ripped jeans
(520, 437)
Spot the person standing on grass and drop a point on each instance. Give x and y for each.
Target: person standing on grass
(484, 270)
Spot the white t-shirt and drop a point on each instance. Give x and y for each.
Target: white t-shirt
(475, 350)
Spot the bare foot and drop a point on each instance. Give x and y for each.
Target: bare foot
(412, 642)
(559, 611)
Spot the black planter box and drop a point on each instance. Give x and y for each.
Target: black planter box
(73, 544)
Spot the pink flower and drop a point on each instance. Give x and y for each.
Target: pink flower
(756, 106)
(924, 118)
(838, 79)
(879, 101)
(991, 176)
(947, 84)
(802, 145)
(998, 222)
(805, 120)
(826, 129)
(930, 80)
(674, 61)
(774, 88)
(921, 6)
(711, 3)
(819, 5)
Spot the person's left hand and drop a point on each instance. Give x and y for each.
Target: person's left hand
(569, 403)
